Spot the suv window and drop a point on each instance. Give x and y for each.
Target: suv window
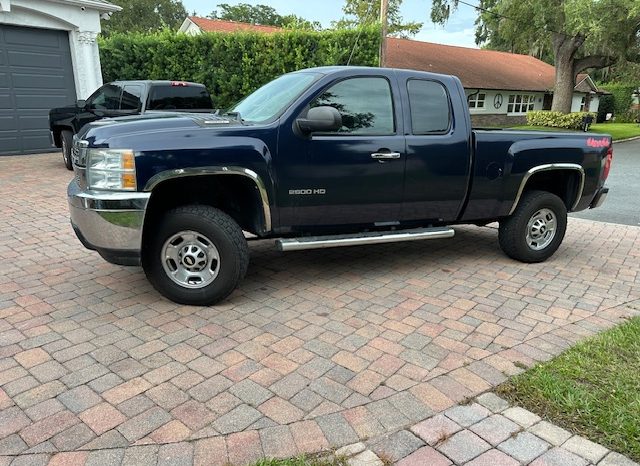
(105, 98)
(131, 97)
(171, 97)
(429, 104)
(365, 104)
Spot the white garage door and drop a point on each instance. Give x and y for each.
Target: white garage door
(35, 76)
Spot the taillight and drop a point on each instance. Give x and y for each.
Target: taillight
(607, 163)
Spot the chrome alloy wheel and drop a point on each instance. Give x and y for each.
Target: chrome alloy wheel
(190, 259)
(541, 229)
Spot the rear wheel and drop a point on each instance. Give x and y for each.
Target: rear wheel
(536, 229)
(67, 144)
(197, 256)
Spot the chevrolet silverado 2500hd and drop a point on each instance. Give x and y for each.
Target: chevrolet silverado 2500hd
(120, 98)
(323, 157)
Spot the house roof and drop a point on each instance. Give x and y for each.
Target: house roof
(478, 68)
(218, 25)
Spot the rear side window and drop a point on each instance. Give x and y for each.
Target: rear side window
(181, 97)
(131, 97)
(429, 104)
(365, 104)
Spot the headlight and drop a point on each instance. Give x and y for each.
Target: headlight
(112, 169)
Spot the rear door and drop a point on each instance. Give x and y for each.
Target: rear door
(353, 175)
(438, 151)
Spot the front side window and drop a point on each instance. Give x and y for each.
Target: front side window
(520, 103)
(476, 101)
(365, 104)
(429, 105)
(131, 97)
(105, 98)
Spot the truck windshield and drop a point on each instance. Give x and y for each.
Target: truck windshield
(273, 98)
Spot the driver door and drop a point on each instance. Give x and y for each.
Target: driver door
(352, 176)
(105, 102)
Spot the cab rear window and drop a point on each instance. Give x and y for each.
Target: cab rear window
(178, 98)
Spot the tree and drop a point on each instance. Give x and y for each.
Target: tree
(581, 34)
(262, 15)
(145, 16)
(366, 12)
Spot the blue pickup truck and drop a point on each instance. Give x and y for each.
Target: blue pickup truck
(323, 157)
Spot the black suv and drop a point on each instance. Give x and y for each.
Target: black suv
(120, 98)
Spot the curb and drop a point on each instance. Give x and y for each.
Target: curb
(628, 139)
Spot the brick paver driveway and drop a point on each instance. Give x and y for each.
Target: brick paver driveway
(316, 349)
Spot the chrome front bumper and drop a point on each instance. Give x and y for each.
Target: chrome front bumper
(109, 222)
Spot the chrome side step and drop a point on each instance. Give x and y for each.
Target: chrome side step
(372, 237)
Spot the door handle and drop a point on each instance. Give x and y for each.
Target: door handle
(385, 155)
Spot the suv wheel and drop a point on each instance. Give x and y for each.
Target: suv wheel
(536, 229)
(197, 256)
(67, 144)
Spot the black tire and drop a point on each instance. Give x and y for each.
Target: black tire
(212, 225)
(532, 207)
(66, 137)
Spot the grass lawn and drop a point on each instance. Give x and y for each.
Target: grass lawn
(616, 130)
(592, 389)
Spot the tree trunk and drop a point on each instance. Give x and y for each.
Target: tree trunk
(564, 49)
(563, 89)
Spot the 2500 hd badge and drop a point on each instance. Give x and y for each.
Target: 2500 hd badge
(297, 192)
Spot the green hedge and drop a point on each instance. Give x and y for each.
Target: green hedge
(232, 65)
(622, 97)
(558, 119)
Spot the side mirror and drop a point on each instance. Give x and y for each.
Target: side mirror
(81, 103)
(323, 118)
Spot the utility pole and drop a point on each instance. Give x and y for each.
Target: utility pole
(384, 12)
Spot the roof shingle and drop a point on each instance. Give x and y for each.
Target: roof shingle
(476, 68)
(219, 25)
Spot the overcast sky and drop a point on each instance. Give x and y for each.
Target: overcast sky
(459, 30)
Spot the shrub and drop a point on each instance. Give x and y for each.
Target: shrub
(558, 119)
(607, 105)
(622, 94)
(232, 65)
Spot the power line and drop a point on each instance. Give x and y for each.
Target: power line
(364, 23)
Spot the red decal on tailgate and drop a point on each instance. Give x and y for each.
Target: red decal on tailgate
(593, 142)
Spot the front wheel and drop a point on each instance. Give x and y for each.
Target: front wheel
(197, 255)
(536, 229)
(67, 142)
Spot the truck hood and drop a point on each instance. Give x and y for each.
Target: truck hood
(102, 130)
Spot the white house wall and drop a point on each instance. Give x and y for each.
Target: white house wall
(490, 109)
(576, 101)
(595, 103)
(83, 26)
(193, 29)
(491, 101)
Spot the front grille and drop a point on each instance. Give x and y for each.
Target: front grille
(79, 158)
(79, 152)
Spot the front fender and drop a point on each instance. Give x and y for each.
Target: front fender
(218, 170)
